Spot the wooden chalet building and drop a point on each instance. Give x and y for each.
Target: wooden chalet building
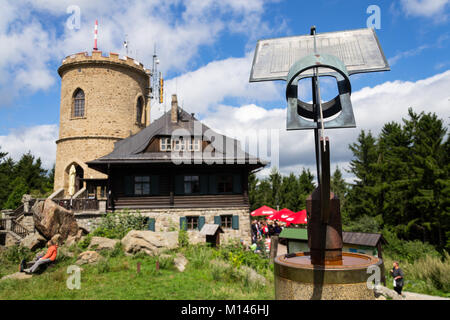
(180, 173)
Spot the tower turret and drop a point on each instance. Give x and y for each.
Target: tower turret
(103, 99)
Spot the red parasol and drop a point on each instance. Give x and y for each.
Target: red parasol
(282, 214)
(263, 211)
(297, 218)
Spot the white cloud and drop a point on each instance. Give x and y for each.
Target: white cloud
(373, 107)
(33, 46)
(208, 86)
(435, 9)
(40, 140)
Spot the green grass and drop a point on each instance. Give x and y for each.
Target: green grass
(116, 278)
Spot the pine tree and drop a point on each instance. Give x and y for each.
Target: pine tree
(253, 191)
(362, 196)
(428, 177)
(290, 193)
(275, 181)
(306, 187)
(6, 168)
(19, 188)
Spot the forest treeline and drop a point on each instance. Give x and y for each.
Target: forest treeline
(26, 176)
(401, 185)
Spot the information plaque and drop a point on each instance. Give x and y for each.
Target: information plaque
(359, 50)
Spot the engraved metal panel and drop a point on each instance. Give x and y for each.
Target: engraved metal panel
(358, 49)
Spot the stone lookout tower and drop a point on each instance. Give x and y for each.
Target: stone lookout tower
(103, 100)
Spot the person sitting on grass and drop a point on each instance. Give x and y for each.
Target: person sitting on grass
(49, 257)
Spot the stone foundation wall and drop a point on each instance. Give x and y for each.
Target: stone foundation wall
(89, 221)
(169, 220)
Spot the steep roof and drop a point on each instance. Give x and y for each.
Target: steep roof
(132, 149)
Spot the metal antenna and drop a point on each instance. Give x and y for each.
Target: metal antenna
(95, 35)
(126, 43)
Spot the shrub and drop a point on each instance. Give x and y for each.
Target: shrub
(409, 251)
(434, 271)
(183, 237)
(103, 266)
(85, 242)
(236, 254)
(199, 255)
(116, 225)
(117, 251)
(166, 262)
(16, 253)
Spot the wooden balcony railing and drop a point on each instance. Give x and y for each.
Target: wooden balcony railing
(81, 204)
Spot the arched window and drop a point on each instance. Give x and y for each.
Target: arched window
(78, 103)
(139, 109)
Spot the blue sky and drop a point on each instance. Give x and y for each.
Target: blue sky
(201, 43)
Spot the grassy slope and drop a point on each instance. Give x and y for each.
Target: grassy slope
(119, 280)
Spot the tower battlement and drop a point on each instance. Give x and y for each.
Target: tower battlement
(97, 57)
(104, 98)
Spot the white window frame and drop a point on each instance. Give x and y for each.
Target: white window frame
(197, 145)
(179, 144)
(165, 144)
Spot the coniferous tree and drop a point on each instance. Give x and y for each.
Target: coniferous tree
(428, 173)
(6, 168)
(306, 187)
(362, 200)
(275, 181)
(19, 178)
(290, 193)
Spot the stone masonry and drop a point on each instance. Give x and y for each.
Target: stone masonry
(112, 87)
(169, 220)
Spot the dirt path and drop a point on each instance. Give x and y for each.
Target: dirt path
(418, 296)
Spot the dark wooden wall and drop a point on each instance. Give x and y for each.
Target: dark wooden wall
(167, 187)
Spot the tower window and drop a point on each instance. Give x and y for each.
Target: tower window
(78, 105)
(139, 109)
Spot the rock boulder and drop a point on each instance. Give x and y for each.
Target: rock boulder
(17, 276)
(33, 241)
(100, 243)
(74, 239)
(88, 257)
(180, 262)
(51, 219)
(150, 242)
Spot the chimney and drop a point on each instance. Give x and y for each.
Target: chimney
(174, 112)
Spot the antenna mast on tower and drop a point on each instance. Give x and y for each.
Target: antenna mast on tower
(95, 35)
(126, 43)
(157, 80)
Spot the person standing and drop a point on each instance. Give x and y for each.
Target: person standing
(398, 275)
(254, 231)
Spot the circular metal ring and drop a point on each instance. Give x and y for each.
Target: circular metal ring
(331, 107)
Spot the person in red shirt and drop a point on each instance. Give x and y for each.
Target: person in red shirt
(49, 257)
